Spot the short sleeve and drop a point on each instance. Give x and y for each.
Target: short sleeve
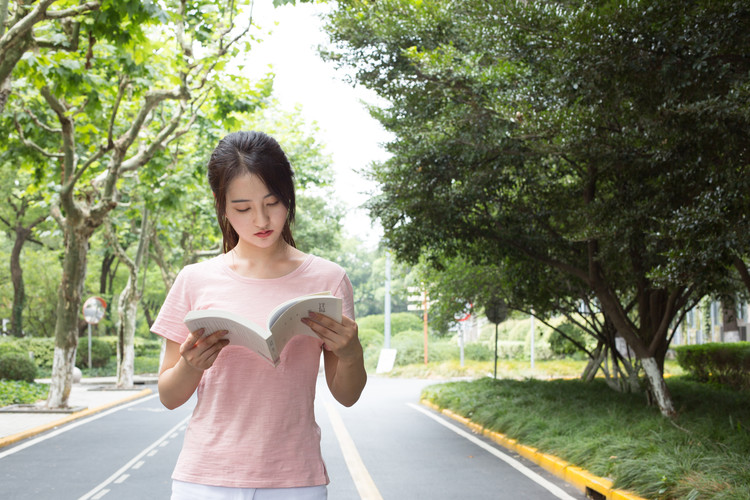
(170, 321)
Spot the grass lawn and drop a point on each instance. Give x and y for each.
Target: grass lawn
(704, 453)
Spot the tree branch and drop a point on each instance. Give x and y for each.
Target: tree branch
(111, 236)
(39, 123)
(25, 25)
(73, 11)
(32, 144)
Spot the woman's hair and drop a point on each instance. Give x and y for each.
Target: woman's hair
(255, 153)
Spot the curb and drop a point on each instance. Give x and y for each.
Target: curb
(583, 480)
(19, 436)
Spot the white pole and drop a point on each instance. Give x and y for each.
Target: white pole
(461, 341)
(387, 342)
(89, 346)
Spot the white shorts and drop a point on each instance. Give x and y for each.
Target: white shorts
(182, 490)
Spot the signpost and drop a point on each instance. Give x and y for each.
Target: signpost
(387, 355)
(460, 318)
(420, 303)
(93, 312)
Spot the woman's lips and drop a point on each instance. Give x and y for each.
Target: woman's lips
(264, 234)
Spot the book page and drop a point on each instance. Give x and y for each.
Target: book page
(241, 330)
(286, 322)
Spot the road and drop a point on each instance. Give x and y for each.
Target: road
(385, 447)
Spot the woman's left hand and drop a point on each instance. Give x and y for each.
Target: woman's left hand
(340, 338)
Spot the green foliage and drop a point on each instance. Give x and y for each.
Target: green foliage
(101, 352)
(370, 336)
(400, 322)
(562, 346)
(15, 366)
(41, 350)
(409, 347)
(10, 347)
(727, 364)
(565, 151)
(478, 351)
(616, 436)
(15, 392)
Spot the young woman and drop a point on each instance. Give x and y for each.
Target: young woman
(253, 432)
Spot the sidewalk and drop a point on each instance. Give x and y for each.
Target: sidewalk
(88, 397)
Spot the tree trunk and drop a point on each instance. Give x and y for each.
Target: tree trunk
(128, 306)
(68, 305)
(19, 290)
(126, 314)
(595, 362)
(657, 387)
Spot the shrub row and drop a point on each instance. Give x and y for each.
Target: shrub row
(42, 350)
(724, 363)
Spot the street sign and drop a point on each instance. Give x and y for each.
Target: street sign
(93, 310)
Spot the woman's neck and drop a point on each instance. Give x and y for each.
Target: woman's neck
(265, 263)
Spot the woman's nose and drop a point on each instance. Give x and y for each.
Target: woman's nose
(261, 217)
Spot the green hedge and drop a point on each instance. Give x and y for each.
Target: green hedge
(15, 366)
(724, 363)
(101, 352)
(103, 348)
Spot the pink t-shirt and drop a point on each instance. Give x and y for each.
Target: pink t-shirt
(253, 425)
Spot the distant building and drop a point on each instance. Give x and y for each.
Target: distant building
(711, 322)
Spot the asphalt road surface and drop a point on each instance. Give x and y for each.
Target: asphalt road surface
(387, 446)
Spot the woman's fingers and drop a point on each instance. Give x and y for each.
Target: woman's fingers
(342, 338)
(201, 351)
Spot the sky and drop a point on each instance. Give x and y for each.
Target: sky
(352, 137)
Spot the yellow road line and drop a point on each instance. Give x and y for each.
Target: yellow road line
(362, 480)
(19, 436)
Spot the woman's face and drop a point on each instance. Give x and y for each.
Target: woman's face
(254, 212)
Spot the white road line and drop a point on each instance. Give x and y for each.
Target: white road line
(71, 426)
(362, 480)
(552, 488)
(91, 494)
(100, 495)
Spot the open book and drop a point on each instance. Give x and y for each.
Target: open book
(284, 323)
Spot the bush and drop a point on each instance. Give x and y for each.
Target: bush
(101, 352)
(15, 366)
(42, 349)
(370, 336)
(410, 348)
(478, 352)
(723, 363)
(11, 347)
(560, 345)
(400, 322)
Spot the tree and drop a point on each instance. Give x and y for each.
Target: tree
(24, 216)
(55, 25)
(564, 134)
(127, 303)
(117, 107)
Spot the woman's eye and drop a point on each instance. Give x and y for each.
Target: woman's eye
(272, 204)
(243, 209)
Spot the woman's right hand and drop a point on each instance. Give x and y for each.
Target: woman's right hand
(200, 351)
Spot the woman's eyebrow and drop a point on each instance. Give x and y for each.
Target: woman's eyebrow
(269, 195)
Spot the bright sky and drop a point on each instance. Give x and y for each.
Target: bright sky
(352, 137)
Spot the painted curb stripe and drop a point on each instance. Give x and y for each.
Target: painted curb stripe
(576, 476)
(19, 436)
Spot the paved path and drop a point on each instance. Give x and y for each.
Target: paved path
(90, 396)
